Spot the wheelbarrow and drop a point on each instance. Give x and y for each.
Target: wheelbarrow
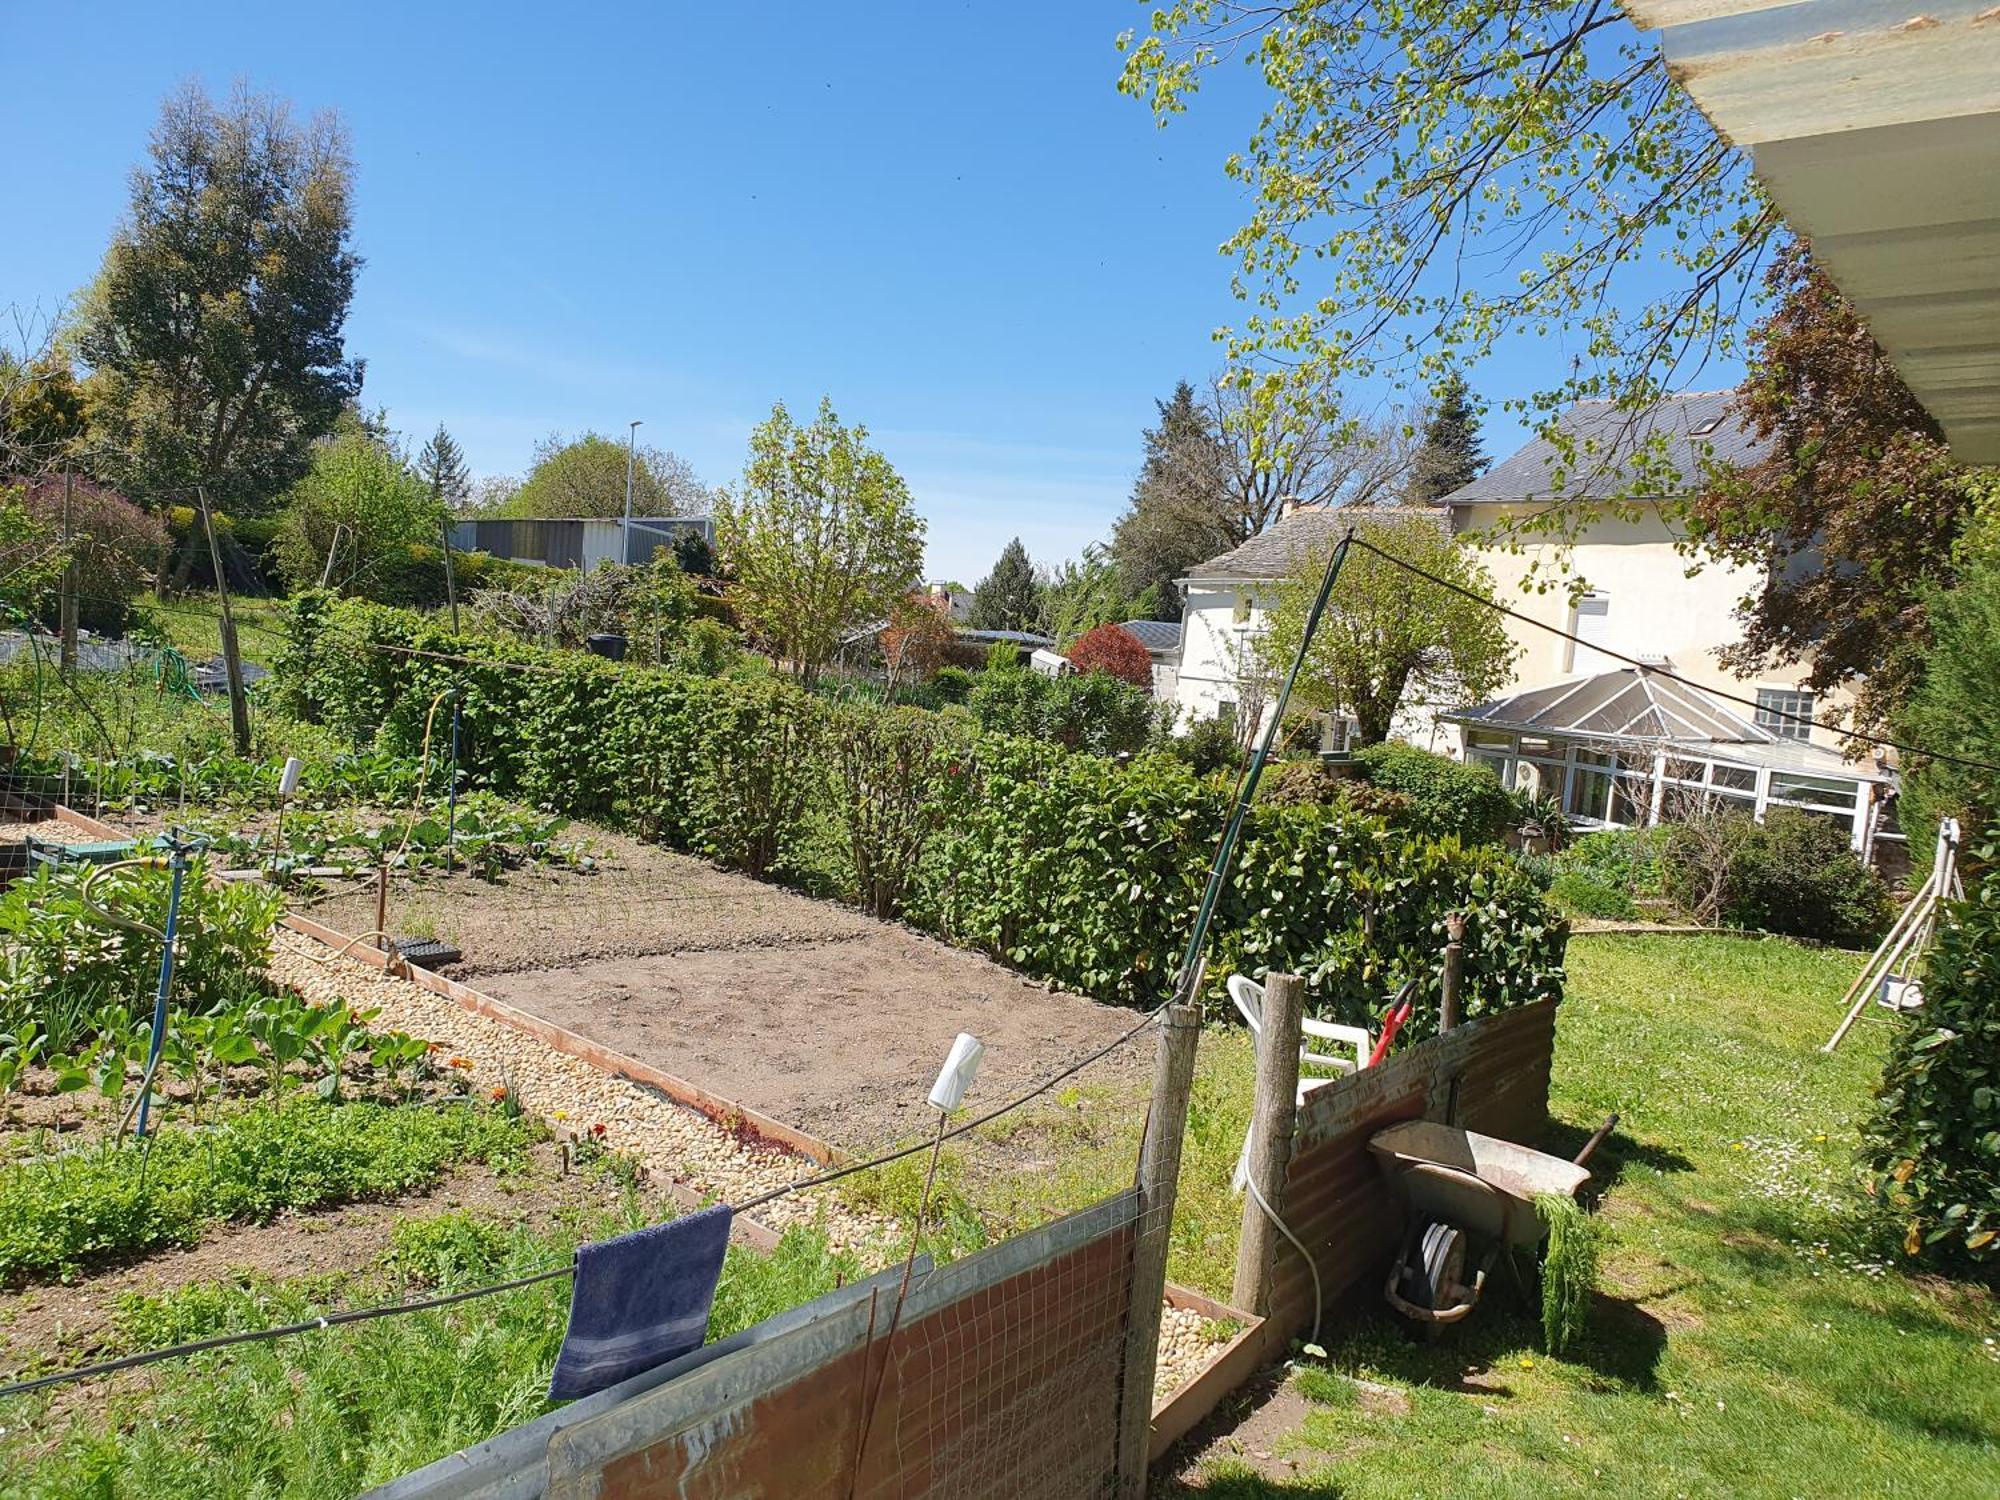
(1455, 1184)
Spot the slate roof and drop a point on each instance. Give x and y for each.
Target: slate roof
(1158, 636)
(1696, 426)
(1273, 553)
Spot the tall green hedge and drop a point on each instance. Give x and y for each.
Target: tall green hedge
(1068, 866)
(1934, 1144)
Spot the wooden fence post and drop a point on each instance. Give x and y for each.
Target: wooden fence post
(1272, 1124)
(1159, 1174)
(1454, 970)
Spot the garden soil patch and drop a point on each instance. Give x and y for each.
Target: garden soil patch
(802, 1009)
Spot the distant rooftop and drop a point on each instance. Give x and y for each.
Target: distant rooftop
(1274, 553)
(1696, 426)
(1157, 636)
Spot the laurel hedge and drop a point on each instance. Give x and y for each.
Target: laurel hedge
(1069, 866)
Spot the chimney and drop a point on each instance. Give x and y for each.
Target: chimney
(1287, 504)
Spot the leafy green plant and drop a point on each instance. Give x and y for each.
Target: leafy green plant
(1933, 1146)
(1792, 874)
(62, 1215)
(1569, 1270)
(898, 776)
(63, 960)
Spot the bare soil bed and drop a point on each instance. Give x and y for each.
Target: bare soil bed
(804, 1010)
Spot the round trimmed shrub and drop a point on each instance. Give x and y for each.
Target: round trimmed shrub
(1448, 796)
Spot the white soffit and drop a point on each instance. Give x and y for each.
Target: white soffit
(1875, 127)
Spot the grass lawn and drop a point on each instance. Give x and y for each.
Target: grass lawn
(1750, 1337)
(192, 623)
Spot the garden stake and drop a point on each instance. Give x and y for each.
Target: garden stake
(178, 864)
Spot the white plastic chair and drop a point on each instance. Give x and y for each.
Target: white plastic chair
(1249, 997)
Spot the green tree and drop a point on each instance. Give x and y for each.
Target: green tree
(1087, 592)
(1175, 518)
(213, 331)
(820, 537)
(1449, 455)
(1955, 710)
(357, 506)
(1396, 145)
(441, 466)
(1010, 597)
(1389, 640)
(585, 476)
(1847, 520)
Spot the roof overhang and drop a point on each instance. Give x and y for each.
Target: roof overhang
(1875, 128)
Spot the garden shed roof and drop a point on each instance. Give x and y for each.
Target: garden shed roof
(1160, 637)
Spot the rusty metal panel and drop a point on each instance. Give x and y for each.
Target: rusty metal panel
(1002, 1378)
(1336, 1200)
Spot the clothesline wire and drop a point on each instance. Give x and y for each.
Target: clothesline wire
(1653, 669)
(1186, 983)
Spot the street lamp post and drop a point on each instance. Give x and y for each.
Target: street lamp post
(631, 452)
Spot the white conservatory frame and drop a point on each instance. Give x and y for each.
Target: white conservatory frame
(1614, 747)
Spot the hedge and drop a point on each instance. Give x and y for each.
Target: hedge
(1449, 796)
(1067, 865)
(1934, 1144)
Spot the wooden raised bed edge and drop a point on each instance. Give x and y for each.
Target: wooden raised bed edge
(1231, 1365)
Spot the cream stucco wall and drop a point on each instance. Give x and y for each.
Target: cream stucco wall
(1656, 609)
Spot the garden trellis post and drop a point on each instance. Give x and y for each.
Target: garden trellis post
(177, 862)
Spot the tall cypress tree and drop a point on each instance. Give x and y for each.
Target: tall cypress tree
(1177, 517)
(1450, 455)
(1008, 598)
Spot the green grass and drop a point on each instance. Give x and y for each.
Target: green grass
(326, 1415)
(192, 624)
(1752, 1337)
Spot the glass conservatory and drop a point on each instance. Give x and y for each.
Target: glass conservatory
(1630, 747)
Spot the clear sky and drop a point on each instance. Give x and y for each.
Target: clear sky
(943, 216)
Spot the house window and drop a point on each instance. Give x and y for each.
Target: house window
(1782, 712)
(1225, 713)
(1590, 623)
(1240, 615)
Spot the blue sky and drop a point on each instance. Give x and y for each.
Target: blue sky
(943, 216)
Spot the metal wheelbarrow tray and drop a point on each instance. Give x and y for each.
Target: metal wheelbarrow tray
(1454, 1182)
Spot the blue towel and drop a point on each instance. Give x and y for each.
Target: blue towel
(639, 1301)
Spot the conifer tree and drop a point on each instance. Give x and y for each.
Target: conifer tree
(1449, 456)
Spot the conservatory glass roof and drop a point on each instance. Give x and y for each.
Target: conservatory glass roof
(1635, 707)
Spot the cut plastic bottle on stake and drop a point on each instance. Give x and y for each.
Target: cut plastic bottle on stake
(288, 779)
(961, 1065)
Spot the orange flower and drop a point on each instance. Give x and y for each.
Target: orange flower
(499, 1093)
(459, 1062)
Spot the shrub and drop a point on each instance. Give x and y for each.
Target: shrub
(1210, 746)
(115, 544)
(1587, 896)
(896, 777)
(1115, 650)
(1069, 866)
(952, 684)
(1093, 712)
(1793, 874)
(1449, 796)
(1933, 1147)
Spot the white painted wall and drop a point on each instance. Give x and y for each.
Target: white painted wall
(1213, 643)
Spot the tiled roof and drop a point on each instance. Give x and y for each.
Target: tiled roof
(1157, 636)
(1274, 553)
(1696, 426)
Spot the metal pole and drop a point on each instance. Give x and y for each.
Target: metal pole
(631, 452)
(457, 695)
(178, 864)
